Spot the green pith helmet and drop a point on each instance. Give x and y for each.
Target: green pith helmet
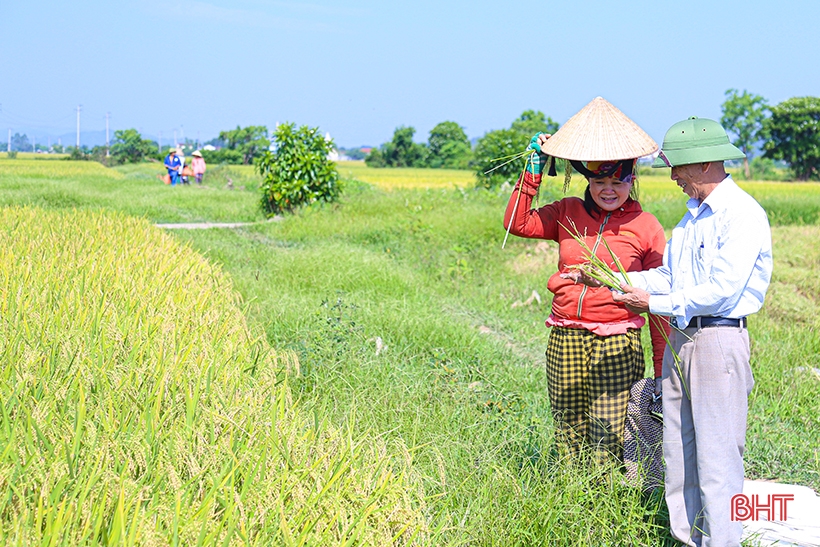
(696, 140)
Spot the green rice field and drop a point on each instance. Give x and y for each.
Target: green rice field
(368, 372)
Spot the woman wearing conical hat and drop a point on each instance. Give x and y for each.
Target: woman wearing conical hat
(594, 353)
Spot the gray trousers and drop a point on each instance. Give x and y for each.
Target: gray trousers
(704, 436)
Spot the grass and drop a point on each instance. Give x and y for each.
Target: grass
(134, 190)
(458, 378)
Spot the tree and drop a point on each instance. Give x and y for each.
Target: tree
(375, 159)
(298, 172)
(251, 141)
(531, 122)
(743, 115)
(794, 136)
(130, 147)
(449, 146)
(491, 151)
(20, 143)
(496, 148)
(402, 151)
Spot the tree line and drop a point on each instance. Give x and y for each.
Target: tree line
(448, 147)
(787, 132)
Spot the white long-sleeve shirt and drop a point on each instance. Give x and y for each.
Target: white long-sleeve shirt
(718, 261)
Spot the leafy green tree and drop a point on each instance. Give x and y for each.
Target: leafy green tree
(492, 151)
(402, 151)
(743, 115)
(298, 172)
(251, 141)
(130, 147)
(531, 122)
(449, 146)
(794, 136)
(375, 159)
(20, 143)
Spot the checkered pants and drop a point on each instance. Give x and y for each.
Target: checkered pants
(588, 378)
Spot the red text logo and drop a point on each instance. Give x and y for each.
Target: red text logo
(756, 507)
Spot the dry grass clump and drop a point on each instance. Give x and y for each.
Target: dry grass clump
(138, 408)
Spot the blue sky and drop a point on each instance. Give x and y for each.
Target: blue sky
(360, 68)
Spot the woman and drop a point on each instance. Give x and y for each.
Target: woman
(594, 353)
(198, 166)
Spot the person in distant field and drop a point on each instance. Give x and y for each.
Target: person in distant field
(716, 269)
(198, 166)
(183, 169)
(594, 354)
(173, 165)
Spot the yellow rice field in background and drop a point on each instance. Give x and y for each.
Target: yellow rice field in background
(390, 178)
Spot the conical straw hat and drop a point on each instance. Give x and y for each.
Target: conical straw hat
(599, 132)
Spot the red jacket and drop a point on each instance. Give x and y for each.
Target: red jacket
(636, 238)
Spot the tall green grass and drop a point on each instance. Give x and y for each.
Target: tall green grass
(138, 408)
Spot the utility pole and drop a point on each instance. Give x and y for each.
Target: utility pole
(79, 106)
(9, 150)
(159, 143)
(33, 143)
(174, 144)
(107, 146)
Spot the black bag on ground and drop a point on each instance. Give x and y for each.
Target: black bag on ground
(643, 436)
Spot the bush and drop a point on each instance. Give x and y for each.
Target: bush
(223, 155)
(298, 172)
(12, 154)
(130, 147)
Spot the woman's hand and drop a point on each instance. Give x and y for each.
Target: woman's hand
(578, 275)
(537, 159)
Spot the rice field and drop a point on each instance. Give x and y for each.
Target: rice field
(362, 373)
(137, 407)
(405, 178)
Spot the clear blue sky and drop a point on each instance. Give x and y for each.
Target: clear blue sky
(360, 68)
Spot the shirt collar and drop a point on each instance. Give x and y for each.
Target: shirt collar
(718, 199)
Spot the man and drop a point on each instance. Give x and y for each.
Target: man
(716, 269)
(174, 165)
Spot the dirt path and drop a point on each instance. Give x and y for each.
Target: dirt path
(207, 225)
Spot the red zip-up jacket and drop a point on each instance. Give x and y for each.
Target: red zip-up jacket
(636, 238)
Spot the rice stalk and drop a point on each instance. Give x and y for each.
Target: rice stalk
(513, 158)
(600, 271)
(517, 199)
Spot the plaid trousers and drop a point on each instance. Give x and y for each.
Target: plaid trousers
(588, 380)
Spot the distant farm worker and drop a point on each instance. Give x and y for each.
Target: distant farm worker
(173, 164)
(594, 353)
(716, 270)
(198, 166)
(184, 171)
